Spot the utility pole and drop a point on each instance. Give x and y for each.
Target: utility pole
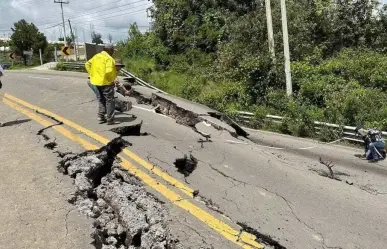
(40, 55)
(270, 29)
(289, 89)
(64, 25)
(75, 42)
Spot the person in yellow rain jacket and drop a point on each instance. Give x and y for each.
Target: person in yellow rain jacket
(103, 73)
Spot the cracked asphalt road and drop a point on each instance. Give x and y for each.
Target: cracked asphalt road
(270, 185)
(34, 211)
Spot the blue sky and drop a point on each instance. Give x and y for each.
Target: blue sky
(104, 16)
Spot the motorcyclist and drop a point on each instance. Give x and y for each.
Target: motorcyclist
(373, 143)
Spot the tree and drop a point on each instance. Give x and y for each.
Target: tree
(110, 38)
(25, 37)
(96, 38)
(4, 43)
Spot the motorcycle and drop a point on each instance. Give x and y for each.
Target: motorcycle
(371, 136)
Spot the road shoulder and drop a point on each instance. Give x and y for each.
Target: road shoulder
(35, 212)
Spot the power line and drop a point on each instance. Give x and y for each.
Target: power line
(104, 26)
(123, 14)
(51, 21)
(107, 30)
(78, 15)
(108, 15)
(91, 13)
(56, 25)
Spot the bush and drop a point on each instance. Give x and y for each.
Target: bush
(258, 121)
(236, 75)
(60, 66)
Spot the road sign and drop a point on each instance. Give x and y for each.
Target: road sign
(66, 50)
(12, 56)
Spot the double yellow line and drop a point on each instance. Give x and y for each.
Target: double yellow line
(242, 239)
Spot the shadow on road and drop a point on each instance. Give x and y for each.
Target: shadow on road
(16, 122)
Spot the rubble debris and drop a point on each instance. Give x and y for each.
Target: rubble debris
(130, 130)
(125, 215)
(186, 165)
(262, 238)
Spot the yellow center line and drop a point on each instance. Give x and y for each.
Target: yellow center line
(244, 240)
(157, 171)
(85, 144)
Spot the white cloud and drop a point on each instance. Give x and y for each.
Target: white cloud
(107, 16)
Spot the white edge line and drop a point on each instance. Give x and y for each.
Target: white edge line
(34, 77)
(144, 109)
(307, 148)
(235, 142)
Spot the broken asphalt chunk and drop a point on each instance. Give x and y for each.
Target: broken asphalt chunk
(125, 214)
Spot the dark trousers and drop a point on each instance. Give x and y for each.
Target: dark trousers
(106, 102)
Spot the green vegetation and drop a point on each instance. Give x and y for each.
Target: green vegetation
(25, 37)
(216, 53)
(61, 66)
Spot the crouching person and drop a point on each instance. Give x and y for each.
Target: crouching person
(374, 144)
(122, 92)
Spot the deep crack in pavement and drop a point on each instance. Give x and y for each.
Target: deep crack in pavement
(263, 238)
(126, 215)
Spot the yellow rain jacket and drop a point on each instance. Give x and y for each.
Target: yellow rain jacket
(101, 69)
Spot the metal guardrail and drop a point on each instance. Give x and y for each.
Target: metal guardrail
(74, 65)
(348, 132)
(140, 81)
(77, 65)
